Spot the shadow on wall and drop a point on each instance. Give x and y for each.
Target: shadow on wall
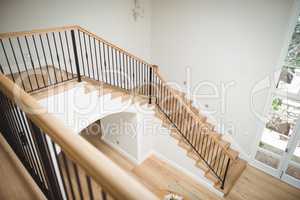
(118, 130)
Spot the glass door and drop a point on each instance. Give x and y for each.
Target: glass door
(279, 133)
(291, 165)
(278, 152)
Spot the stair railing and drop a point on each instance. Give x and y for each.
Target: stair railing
(41, 58)
(62, 163)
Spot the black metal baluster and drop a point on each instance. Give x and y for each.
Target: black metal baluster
(44, 54)
(57, 57)
(69, 55)
(78, 181)
(91, 56)
(76, 56)
(18, 130)
(100, 60)
(8, 63)
(226, 170)
(80, 46)
(86, 55)
(60, 169)
(103, 194)
(32, 148)
(126, 74)
(47, 161)
(38, 58)
(51, 56)
(68, 174)
(123, 72)
(97, 66)
(88, 180)
(109, 65)
(63, 54)
(16, 61)
(15, 129)
(130, 75)
(113, 66)
(105, 62)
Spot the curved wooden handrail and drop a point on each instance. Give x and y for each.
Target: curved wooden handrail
(189, 110)
(111, 177)
(71, 27)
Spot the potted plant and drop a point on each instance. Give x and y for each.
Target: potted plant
(287, 74)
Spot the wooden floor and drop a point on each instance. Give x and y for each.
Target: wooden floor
(15, 182)
(155, 174)
(160, 177)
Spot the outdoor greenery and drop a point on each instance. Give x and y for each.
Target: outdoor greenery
(293, 57)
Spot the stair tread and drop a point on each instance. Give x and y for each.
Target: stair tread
(182, 143)
(202, 165)
(210, 175)
(192, 154)
(224, 143)
(234, 154)
(234, 172)
(175, 135)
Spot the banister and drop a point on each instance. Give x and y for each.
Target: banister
(36, 31)
(111, 177)
(64, 28)
(138, 73)
(158, 73)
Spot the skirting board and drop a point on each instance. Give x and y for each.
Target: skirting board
(121, 151)
(200, 180)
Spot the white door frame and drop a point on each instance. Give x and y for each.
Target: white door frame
(255, 147)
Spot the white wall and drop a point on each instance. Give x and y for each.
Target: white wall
(119, 129)
(111, 19)
(233, 42)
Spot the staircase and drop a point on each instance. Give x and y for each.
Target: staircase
(72, 53)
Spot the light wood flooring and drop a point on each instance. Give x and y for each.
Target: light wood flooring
(15, 182)
(160, 177)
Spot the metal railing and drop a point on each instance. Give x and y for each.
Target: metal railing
(41, 58)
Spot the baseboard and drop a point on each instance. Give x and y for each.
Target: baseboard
(200, 180)
(121, 151)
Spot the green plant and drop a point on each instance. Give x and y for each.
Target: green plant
(276, 104)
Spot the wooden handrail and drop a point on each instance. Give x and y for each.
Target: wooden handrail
(112, 45)
(111, 177)
(71, 27)
(36, 31)
(189, 110)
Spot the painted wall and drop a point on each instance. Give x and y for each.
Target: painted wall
(228, 46)
(231, 44)
(119, 129)
(110, 19)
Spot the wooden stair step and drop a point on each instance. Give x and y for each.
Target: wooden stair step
(212, 177)
(233, 153)
(202, 165)
(116, 94)
(176, 135)
(215, 135)
(234, 172)
(184, 144)
(224, 143)
(89, 88)
(192, 154)
(103, 91)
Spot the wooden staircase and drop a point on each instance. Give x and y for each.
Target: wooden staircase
(236, 167)
(116, 71)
